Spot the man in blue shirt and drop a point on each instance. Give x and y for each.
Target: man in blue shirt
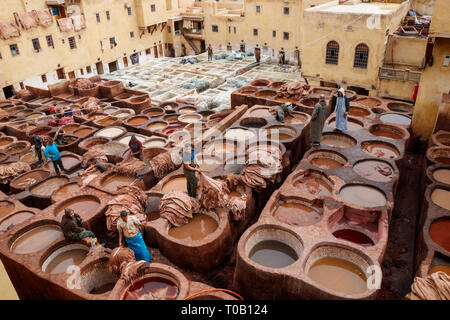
(189, 169)
(51, 151)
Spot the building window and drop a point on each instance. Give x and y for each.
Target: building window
(215, 28)
(332, 55)
(44, 78)
(112, 42)
(131, 34)
(97, 16)
(234, 30)
(129, 11)
(148, 52)
(108, 17)
(152, 8)
(14, 49)
(72, 43)
(169, 29)
(36, 45)
(1, 56)
(258, 9)
(82, 72)
(255, 32)
(274, 34)
(88, 69)
(286, 35)
(21, 85)
(229, 29)
(361, 56)
(50, 41)
(286, 10)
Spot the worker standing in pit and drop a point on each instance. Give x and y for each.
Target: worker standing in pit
(128, 227)
(37, 149)
(258, 54)
(135, 147)
(342, 107)
(282, 110)
(317, 121)
(189, 169)
(210, 53)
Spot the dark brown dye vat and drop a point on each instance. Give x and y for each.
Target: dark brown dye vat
(30, 178)
(6, 207)
(47, 187)
(15, 219)
(297, 214)
(81, 205)
(152, 288)
(354, 236)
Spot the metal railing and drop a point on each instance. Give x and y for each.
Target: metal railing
(399, 74)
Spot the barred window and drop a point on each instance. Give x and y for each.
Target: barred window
(36, 44)
(129, 11)
(49, 39)
(258, 9)
(332, 55)
(361, 56)
(255, 32)
(72, 43)
(152, 8)
(286, 10)
(108, 17)
(286, 35)
(97, 16)
(215, 28)
(274, 33)
(131, 34)
(14, 49)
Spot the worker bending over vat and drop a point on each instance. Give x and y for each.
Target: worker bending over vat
(281, 111)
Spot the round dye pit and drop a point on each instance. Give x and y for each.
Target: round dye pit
(69, 161)
(154, 112)
(97, 117)
(154, 142)
(152, 288)
(111, 133)
(313, 183)
(92, 142)
(36, 239)
(400, 107)
(354, 236)
(327, 160)
(6, 207)
(281, 99)
(295, 118)
(442, 175)
(96, 278)
(28, 157)
(137, 121)
(65, 191)
(386, 131)
(374, 170)
(62, 258)
(251, 122)
(309, 102)
(247, 91)
(34, 115)
(369, 102)
(85, 205)
(260, 83)
(112, 182)
(155, 126)
(47, 187)
(358, 112)
(12, 220)
(273, 254)
(82, 132)
(239, 134)
(168, 105)
(29, 178)
(276, 85)
(114, 148)
(260, 113)
(352, 124)
(187, 110)
(380, 150)
(177, 184)
(5, 141)
(440, 233)
(338, 140)
(362, 195)
(442, 137)
(441, 197)
(279, 133)
(17, 147)
(190, 118)
(339, 275)
(107, 121)
(127, 139)
(171, 118)
(297, 213)
(395, 118)
(266, 94)
(200, 226)
(70, 127)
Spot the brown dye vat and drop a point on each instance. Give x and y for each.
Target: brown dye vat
(107, 122)
(443, 160)
(260, 113)
(177, 184)
(65, 191)
(27, 127)
(326, 163)
(247, 91)
(265, 94)
(97, 116)
(137, 121)
(138, 100)
(66, 259)
(112, 182)
(154, 112)
(309, 102)
(354, 236)
(15, 219)
(295, 118)
(103, 288)
(338, 140)
(400, 107)
(327, 159)
(6, 208)
(46, 188)
(442, 175)
(441, 197)
(280, 99)
(81, 205)
(34, 116)
(69, 161)
(259, 83)
(276, 85)
(70, 127)
(154, 126)
(36, 239)
(30, 178)
(198, 228)
(253, 122)
(369, 102)
(395, 118)
(441, 268)
(358, 112)
(187, 110)
(152, 288)
(364, 196)
(374, 170)
(386, 131)
(339, 275)
(297, 214)
(153, 215)
(314, 185)
(82, 132)
(171, 118)
(352, 124)
(96, 142)
(4, 141)
(380, 150)
(273, 254)
(16, 147)
(168, 105)
(440, 233)
(124, 96)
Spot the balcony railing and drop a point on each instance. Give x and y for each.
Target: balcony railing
(399, 74)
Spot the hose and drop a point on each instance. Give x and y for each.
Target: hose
(210, 290)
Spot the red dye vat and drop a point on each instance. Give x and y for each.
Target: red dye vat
(41, 132)
(354, 236)
(440, 233)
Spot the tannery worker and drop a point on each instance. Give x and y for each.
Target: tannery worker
(282, 110)
(258, 54)
(68, 111)
(52, 109)
(189, 169)
(131, 84)
(342, 108)
(51, 151)
(128, 227)
(210, 52)
(318, 120)
(59, 138)
(72, 227)
(135, 147)
(37, 149)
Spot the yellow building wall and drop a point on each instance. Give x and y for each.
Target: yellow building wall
(440, 21)
(434, 82)
(408, 51)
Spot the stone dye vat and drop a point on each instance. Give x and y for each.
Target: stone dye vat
(49, 185)
(273, 254)
(338, 140)
(297, 212)
(313, 183)
(62, 258)
(96, 279)
(6, 207)
(85, 205)
(326, 159)
(387, 131)
(35, 239)
(11, 220)
(111, 132)
(396, 118)
(352, 124)
(363, 195)
(382, 150)
(375, 170)
(113, 181)
(65, 191)
(198, 228)
(27, 179)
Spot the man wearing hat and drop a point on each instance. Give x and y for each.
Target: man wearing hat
(128, 227)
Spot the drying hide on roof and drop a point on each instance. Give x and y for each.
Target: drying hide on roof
(130, 167)
(129, 198)
(65, 24)
(436, 286)
(9, 29)
(82, 83)
(28, 20)
(178, 208)
(91, 106)
(11, 170)
(79, 22)
(44, 17)
(292, 90)
(123, 264)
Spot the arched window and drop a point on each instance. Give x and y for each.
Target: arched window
(361, 56)
(332, 55)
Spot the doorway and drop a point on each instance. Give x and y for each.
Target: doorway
(99, 66)
(155, 50)
(8, 91)
(112, 66)
(242, 47)
(60, 74)
(202, 46)
(71, 75)
(160, 50)
(125, 62)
